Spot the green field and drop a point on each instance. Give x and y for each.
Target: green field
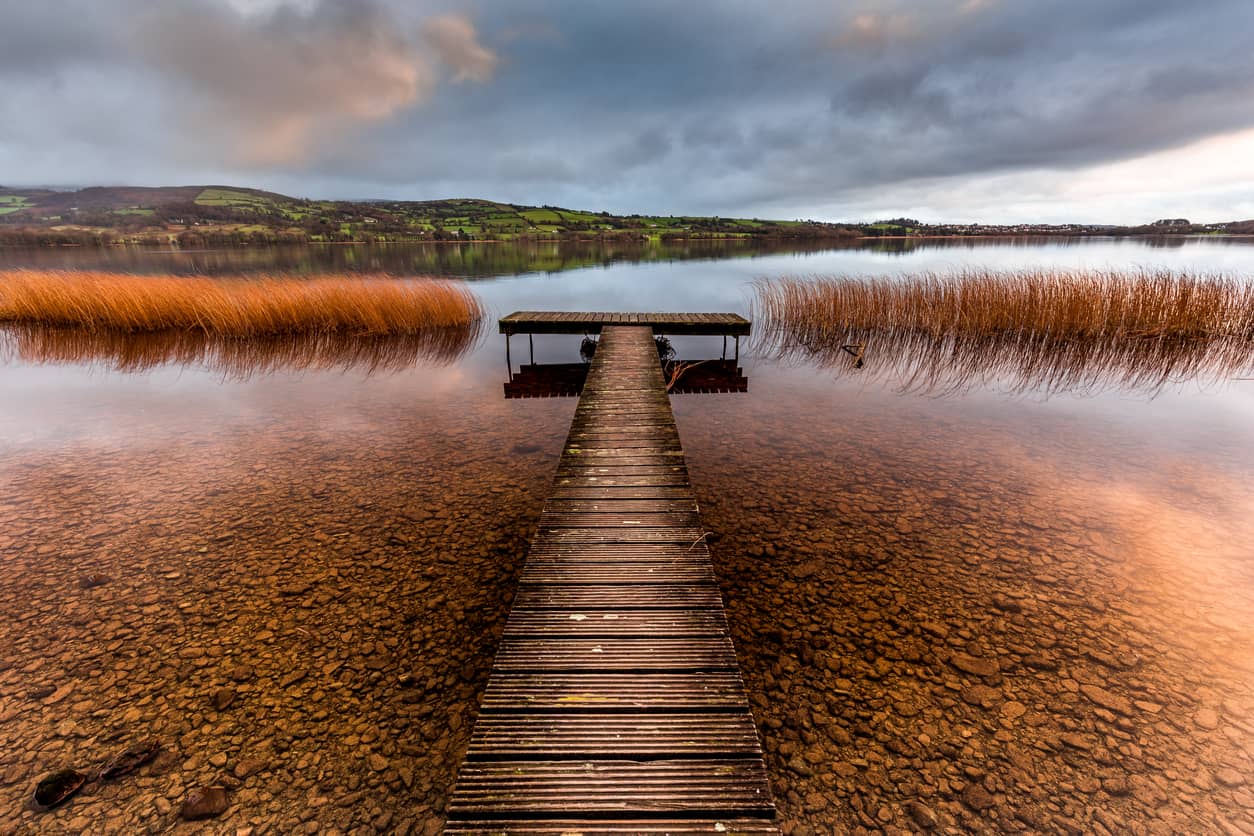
(12, 203)
(230, 197)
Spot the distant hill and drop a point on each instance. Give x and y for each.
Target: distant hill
(226, 214)
(229, 215)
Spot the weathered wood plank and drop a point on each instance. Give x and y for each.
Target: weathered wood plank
(614, 624)
(608, 655)
(571, 692)
(733, 786)
(596, 736)
(640, 827)
(618, 596)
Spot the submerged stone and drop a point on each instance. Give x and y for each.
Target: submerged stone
(57, 788)
(205, 803)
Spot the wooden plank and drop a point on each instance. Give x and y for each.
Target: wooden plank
(584, 827)
(663, 692)
(609, 655)
(631, 519)
(585, 491)
(621, 505)
(618, 596)
(618, 467)
(508, 788)
(578, 536)
(613, 624)
(597, 736)
(617, 573)
(648, 480)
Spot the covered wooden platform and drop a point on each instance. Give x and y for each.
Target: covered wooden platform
(586, 322)
(615, 703)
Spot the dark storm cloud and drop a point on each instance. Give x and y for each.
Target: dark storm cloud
(717, 107)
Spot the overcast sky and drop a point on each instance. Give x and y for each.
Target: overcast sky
(991, 110)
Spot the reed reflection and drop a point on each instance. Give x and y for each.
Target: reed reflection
(237, 358)
(1034, 332)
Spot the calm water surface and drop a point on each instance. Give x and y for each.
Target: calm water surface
(984, 611)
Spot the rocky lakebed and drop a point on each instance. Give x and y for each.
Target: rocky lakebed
(946, 623)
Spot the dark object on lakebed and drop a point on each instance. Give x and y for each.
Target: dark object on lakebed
(128, 760)
(57, 788)
(54, 790)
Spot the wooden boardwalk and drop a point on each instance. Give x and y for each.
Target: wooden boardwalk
(615, 703)
(591, 322)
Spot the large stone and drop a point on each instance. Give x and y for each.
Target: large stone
(975, 665)
(977, 798)
(922, 815)
(1108, 699)
(205, 803)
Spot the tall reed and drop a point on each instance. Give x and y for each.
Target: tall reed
(236, 307)
(1047, 330)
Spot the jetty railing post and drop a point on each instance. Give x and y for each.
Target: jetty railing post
(737, 361)
(531, 344)
(724, 347)
(509, 365)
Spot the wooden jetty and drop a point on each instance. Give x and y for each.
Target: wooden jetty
(615, 703)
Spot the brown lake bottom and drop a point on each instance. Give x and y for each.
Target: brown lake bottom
(985, 623)
(980, 614)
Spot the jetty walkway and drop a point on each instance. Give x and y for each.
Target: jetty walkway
(615, 703)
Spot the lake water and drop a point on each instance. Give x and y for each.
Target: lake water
(992, 610)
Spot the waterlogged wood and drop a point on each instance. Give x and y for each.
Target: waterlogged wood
(615, 701)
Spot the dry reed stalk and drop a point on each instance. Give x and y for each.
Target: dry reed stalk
(1048, 330)
(237, 307)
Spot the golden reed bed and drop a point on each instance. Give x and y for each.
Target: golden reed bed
(236, 307)
(1043, 330)
(238, 326)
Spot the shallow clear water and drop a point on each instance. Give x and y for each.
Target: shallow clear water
(302, 575)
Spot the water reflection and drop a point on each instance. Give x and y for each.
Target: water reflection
(489, 260)
(684, 377)
(236, 359)
(958, 362)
